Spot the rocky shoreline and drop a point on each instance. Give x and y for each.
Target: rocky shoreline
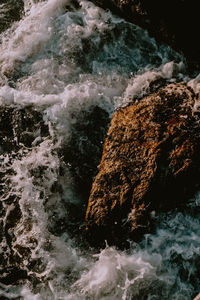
(150, 162)
(157, 155)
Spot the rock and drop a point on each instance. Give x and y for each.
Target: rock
(173, 22)
(150, 163)
(10, 11)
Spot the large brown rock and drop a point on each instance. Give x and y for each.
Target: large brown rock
(174, 22)
(150, 162)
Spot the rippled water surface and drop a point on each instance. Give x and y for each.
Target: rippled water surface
(74, 64)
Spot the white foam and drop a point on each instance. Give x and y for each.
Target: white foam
(139, 85)
(113, 274)
(195, 83)
(31, 35)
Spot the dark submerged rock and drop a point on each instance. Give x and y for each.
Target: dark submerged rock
(20, 126)
(10, 11)
(173, 22)
(150, 163)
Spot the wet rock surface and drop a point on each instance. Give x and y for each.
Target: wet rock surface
(10, 11)
(150, 163)
(171, 22)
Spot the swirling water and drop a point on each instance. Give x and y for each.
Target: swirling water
(63, 58)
